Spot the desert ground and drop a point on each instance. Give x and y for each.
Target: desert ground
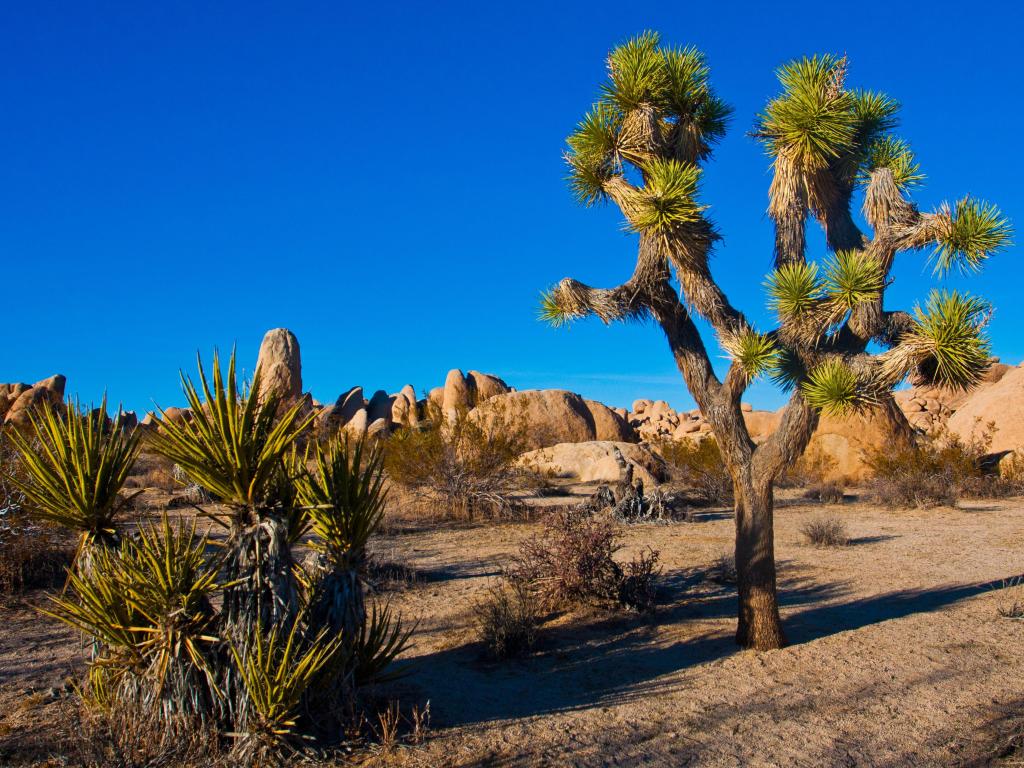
(897, 653)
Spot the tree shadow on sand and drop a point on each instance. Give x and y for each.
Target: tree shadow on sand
(612, 659)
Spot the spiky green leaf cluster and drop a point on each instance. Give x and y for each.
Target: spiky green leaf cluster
(875, 113)
(344, 497)
(969, 233)
(669, 196)
(813, 121)
(852, 278)
(756, 353)
(896, 155)
(794, 290)
(593, 153)
(550, 311)
(832, 388)
(234, 443)
(75, 466)
(276, 669)
(949, 331)
(672, 85)
(636, 73)
(383, 638)
(150, 605)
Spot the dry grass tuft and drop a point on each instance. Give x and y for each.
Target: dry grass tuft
(825, 532)
(507, 619)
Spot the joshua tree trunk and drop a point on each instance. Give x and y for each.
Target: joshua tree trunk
(759, 625)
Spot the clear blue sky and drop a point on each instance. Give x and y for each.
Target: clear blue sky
(386, 180)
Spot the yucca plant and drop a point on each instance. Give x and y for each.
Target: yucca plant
(641, 147)
(74, 467)
(344, 497)
(148, 606)
(277, 670)
(235, 445)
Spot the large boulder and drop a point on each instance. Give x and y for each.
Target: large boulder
(760, 424)
(348, 404)
(484, 386)
(280, 365)
(457, 395)
(609, 425)
(597, 461)
(379, 406)
(551, 416)
(845, 439)
(1000, 405)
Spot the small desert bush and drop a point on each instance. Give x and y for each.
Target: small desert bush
(938, 471)
(571, 563)
(698, 464)
(152, 471)
(455, 462)
(825, 532)
(723, 570)
(507, 618)
(31, 556)
(825, 492)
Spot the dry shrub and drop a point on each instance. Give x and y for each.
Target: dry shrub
(123, 734)
(939, 471)
(825, 532)
(814, 467)
(698, 464)
(1013, 608)
(152, 471)
(826, 492)
(570, 563)
(507, 620)
(32, 556)
(464, 467)
(723, 570)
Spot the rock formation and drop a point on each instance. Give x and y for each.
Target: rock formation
(280, 366)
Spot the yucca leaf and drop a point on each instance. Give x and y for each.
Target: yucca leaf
(636, 73)
(896, 155)
(794, 290)
(814, 120)
(967, 234)
(833, 388)
(947, 342)
(234, 443)
(756, 353)
(345, 500)
(75, 467)
(669, 196)
(593, 153)
(852, 278)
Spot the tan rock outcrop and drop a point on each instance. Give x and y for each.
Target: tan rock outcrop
(597, 461)
(1000, 404)
(280, 365)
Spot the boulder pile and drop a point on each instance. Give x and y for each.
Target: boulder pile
(17, 400)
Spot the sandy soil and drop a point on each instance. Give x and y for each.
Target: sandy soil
(897, 654)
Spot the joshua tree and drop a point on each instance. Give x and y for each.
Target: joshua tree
(642, 146)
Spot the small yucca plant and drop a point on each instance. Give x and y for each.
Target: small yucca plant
(277, 670)
(236, 446)
(345, 497)
(75, 465)
(149, 608)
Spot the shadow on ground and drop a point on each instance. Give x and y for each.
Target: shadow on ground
(612, 659)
